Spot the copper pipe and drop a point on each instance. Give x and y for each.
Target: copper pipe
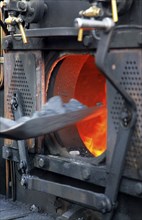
(1, 56)
(7, 178)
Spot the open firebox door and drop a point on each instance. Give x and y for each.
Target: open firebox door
(78, 77)
(92, 83)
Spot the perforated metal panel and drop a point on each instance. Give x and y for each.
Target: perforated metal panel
(24, 72)
(129, 75)
(19, 82)
(20, 75)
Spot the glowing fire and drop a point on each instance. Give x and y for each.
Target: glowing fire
(90, 90)
(79, 78)
(93, 133)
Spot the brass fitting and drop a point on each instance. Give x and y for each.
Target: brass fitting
(80, 35)
(114, 10)
(93, 11)
(11, 20)
(2, 4)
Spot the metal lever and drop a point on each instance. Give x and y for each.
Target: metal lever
(11, 20)
(106, 24)
(17, 110)
(91, 12)
(80, 34)
(114, 10)
(24, 38)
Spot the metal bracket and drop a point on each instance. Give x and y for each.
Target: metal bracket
(84, 197)
(126, 126)
(73, 213)
(17, 110)
(10, 153)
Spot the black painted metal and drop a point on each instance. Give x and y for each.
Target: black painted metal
(17, 109)
(17, 210)
(87, 198)
(125, 130)
(54, 39)
(78, 169)
(73, 213)
(55, 32)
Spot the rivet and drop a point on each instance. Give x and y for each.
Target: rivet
(41, 162)
(8, 153)
(138, 189)
(85, 174)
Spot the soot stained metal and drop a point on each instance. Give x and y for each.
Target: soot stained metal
(58, 52)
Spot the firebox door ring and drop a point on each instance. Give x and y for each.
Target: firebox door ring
(67, 77)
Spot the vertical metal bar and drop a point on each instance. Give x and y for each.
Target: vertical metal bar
(7, 178)
(1, 55)
(125, 133)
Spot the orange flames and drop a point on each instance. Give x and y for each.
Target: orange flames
(93, 132)
(79, 78)
(90, 90)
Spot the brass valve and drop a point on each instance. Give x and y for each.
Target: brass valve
(80, 35)
(93, 11)
(11, 20)
(114, 10)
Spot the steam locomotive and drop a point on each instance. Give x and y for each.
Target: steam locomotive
(89, 51)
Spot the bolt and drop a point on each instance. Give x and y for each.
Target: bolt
(23, 164)
(113, 67)
(138, 189)
(85, 174)
(23, 182)
(34, 208)
(125, 117)
(103, 205)
(41, 162)
(140, 38)
(8, 44)
(74, 153)
(10, 184)
(14, 103)
(8, 153)
(22, 5)
(87, 41)
(140, 172)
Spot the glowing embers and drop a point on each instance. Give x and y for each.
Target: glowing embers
(91, 90)
(79, 78)
(93, 133)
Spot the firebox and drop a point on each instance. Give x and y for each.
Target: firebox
(77, 77)
(89, 51)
